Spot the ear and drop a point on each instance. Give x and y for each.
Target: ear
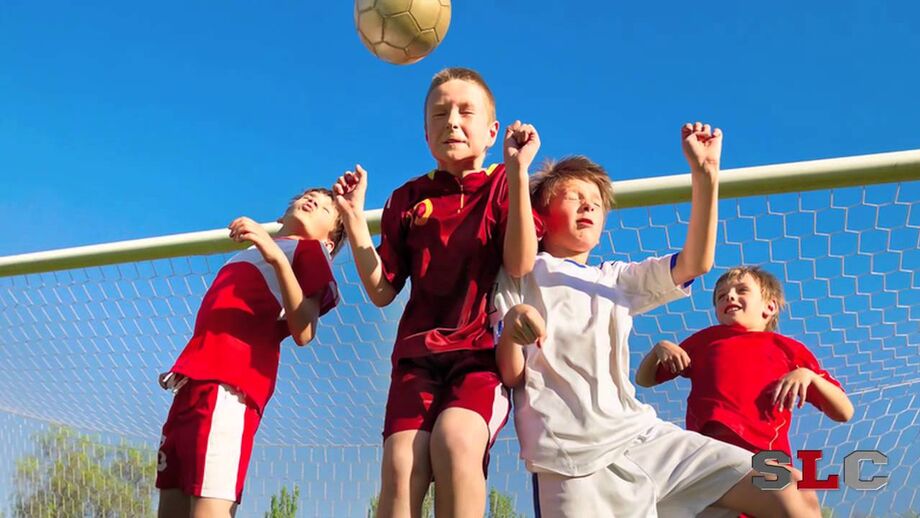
(493, 132)
(330, 246)
(770, 309)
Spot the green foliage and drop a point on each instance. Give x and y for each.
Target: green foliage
(427, 504)
(284, 505)
(501, 506)
(72, 475)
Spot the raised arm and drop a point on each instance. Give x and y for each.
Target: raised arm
(520, 246)
(349, 197)
(703, 149)
(302, 313)
(522, 325)
(674, 357)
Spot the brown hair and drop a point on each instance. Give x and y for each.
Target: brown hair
(463, 74)
(338, 231)
(546, 182)
(770, 288)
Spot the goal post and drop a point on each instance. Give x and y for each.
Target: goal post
(805, 176)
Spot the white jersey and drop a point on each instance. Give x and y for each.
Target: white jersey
(577, 409)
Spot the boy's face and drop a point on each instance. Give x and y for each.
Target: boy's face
(459, 126)
(312, 216)
(574, 218)
(740, 302)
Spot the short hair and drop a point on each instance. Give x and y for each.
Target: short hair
(462, 74)
(770, 288)
(546, 182)
(338, 231)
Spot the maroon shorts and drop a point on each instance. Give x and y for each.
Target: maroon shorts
(422, 388)
(207, 441)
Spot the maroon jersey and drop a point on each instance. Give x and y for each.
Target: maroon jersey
(733, 373)
(241, 323)
(446, 234)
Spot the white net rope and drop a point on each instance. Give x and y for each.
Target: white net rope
(82, 348)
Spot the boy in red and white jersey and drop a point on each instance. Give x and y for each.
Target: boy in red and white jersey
(226, 374)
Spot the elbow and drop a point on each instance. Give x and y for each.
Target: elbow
(519, 270)
(302, 339)
(644, 381)
(845, 414)
(381, 299)
(511, 380)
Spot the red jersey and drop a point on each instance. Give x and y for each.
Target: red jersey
(447, 234)
(241, 322)
(733, 373)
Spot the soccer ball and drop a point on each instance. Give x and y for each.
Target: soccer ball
(402, 31)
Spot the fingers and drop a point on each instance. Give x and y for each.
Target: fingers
(521, 134)
(802, 392)
(703, 131)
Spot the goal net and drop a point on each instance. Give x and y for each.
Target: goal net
(83, 335)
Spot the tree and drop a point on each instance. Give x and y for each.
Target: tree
(284, 505)
(500, 505)
(73, 475)
(427, 504)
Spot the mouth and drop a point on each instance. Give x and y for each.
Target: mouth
(731, 309)
(452, 141)
(584, 222)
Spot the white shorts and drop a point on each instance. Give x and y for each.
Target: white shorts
(667, 472)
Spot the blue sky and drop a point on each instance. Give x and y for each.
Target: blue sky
(125, 121)
(121, 121)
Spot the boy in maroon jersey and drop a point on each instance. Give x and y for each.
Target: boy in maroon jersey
(448, 231)
(746, 378)
(226, 374)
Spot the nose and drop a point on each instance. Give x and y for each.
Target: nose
(453, 119)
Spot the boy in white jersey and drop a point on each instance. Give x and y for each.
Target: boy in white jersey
(593, 448)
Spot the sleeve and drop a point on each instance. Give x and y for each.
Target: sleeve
(500, 203)
(505, 294)
(392, 250)
(801, 357)
(664, 374)
(312, 267)
(643, 285)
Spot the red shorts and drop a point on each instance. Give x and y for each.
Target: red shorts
(421, 388)
(207, 441)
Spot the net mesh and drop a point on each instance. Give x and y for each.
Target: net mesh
(80, 349)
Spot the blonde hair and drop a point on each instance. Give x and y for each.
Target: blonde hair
(770, 288)
(546, 182)
(462, 74)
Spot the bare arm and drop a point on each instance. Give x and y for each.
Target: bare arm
(797, 384)
(645, 374)
(520, 246)
(350, 190)
(703, 149)
(665, 352)
(302, 313)
(523, 325)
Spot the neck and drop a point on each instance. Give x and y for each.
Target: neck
(562, 252)
(288, 231)
(463, 167)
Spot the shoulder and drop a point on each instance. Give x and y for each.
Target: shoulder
(411, 189)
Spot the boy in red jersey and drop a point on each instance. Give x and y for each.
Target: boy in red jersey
(746, 378)
(449, 231)
(226, 374)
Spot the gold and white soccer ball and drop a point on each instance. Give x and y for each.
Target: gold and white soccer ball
(402, 31)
